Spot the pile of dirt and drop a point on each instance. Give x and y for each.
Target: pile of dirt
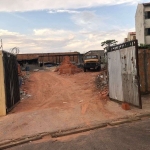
(67, 67)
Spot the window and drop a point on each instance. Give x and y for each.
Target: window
(147, 15)
(147, 31)
(92, 57)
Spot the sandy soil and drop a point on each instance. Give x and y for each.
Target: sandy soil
(61, 102)
(51, 90)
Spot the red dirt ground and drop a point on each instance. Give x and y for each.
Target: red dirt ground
(51, 90)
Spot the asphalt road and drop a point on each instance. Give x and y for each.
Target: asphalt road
(129, 136)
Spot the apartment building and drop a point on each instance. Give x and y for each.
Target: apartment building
(142, 23)
(131, 36)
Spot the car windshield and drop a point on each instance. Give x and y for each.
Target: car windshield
(91, 57)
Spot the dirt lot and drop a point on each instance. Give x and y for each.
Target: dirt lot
(51, 90)
(61, 102)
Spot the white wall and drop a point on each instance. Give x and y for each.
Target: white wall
(147, 8)
(147, 39)
(147, 23)
(139, 24)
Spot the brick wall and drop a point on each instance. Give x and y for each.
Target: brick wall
(144, 70)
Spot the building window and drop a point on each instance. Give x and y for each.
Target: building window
(147, 31)
(147, 15)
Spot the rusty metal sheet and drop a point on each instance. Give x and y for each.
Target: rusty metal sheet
(124, 73)
(129, 76)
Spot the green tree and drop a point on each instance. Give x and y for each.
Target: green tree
(108, 43)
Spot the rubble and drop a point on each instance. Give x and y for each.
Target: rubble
(67, 67)
(35, 70)
(125, 106)
(101, 82)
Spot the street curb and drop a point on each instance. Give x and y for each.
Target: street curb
(113, 123)
(143, 115)
(79, 130)
(135, 119)
(127, 119)
(124, 120)
(18, 142)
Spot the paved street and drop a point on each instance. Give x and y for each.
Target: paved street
(130, 136)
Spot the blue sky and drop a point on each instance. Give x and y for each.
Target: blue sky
(61, 26)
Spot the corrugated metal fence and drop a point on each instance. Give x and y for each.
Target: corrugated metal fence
(11, 82)
(123, 73)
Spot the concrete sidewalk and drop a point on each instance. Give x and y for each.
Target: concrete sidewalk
(27, 124)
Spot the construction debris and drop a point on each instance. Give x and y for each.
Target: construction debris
(101, 82)
(125, 106)
(67, 67)
(35, 70)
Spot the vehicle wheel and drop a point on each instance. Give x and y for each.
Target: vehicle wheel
(99, 68)
(84, 69)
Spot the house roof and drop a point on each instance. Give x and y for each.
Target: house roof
(132, 33)
(36, 56)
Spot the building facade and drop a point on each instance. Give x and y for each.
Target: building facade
(142, 23)
(131, 36)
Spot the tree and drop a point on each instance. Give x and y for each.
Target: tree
(108, 43)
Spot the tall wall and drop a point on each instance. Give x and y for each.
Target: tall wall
(144, 70)
(139, 24)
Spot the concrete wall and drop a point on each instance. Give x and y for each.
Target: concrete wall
(147, 8)
(2, 88)
(147, 23)
(147, 39)
(139, 24)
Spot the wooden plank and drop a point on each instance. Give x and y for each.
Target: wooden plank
(2, 88)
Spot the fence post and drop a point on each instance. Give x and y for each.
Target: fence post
(2, 88)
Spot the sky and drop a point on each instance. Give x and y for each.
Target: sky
(47, 26)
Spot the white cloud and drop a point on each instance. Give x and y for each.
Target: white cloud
(49, 40)
(88, 20)
(29, 5)
(64, 11)
(7, 33)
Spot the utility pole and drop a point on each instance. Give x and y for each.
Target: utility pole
(1, 45)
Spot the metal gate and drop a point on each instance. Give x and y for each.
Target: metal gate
(124, 73)
(11, 81)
